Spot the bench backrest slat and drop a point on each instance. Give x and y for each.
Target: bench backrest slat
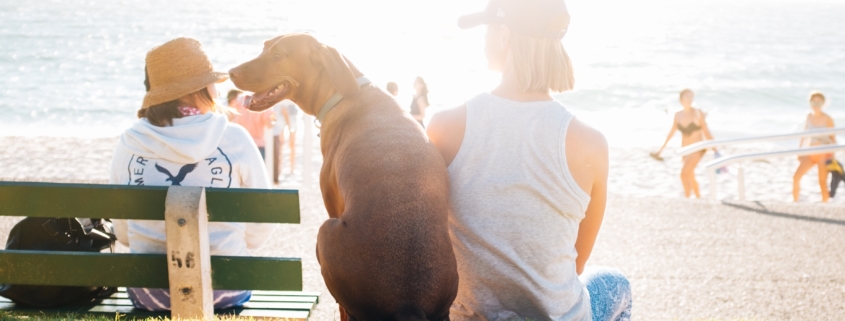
(143, 202)
(143, 270)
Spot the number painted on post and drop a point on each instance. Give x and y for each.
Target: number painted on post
(189, 260)
(177, 260)
(174, 257)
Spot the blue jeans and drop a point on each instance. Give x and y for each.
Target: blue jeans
(159, 299)
(610, 293)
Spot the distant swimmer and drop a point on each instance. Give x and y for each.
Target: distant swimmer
(816, 120)
(692, 124)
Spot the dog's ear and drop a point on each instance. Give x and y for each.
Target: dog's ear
(354, 70)
(341, 75)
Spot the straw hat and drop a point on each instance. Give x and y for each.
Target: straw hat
(177, 68)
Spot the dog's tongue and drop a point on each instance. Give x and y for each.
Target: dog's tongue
(259, 107)
(255, 102)
(264, 100)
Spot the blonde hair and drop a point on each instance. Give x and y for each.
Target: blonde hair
(540, 64)
(816, 93)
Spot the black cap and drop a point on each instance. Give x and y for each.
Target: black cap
(544, 19)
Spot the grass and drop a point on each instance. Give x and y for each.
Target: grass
(730, 319)
(8, 316)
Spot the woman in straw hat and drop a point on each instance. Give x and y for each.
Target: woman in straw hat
(181, 138)
(528, 181)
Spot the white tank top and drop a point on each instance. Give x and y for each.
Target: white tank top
(516, 212)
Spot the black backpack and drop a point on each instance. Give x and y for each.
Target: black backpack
(58, 234)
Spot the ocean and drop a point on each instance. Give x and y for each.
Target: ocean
(75, 68)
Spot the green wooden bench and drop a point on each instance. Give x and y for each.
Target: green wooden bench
(276, 281)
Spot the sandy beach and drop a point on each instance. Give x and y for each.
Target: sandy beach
(632, 172)
(687, 259)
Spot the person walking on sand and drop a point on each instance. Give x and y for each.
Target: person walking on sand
(183, 139)
(692, 124)
(816, 120)
(420, 101)
(254, 122)
(528, 181)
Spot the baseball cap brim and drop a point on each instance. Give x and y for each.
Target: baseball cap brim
(473, 20)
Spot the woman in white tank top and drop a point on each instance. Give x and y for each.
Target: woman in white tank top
(528, 181)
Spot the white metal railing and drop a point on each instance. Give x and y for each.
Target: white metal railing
(717, 163)
(727, 142)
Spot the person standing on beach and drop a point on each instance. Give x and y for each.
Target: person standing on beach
(692, 124)
(286, 117)
(392, 88)
(254, 122)
(233, 100)
(528, 181)
(420, 101)
(816, 120)
(183, 139)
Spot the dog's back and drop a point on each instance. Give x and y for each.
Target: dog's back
(388, 256)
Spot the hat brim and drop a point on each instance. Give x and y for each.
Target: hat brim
(221, 76)
(473, 20)
(168, 93)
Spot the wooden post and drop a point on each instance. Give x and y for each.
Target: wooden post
(188, 257)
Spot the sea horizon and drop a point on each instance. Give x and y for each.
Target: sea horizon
(75, 68)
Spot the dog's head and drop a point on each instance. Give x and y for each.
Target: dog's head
(289, 67)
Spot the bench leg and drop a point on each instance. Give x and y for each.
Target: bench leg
(189, 260)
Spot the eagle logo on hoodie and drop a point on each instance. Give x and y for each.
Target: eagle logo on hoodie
(175, 181)
(212, 171)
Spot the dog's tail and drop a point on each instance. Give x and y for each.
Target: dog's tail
(411, 312)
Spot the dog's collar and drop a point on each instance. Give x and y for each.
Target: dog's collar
(335, 99)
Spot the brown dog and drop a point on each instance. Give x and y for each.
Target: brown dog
(385, 252)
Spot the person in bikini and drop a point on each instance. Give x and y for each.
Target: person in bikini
(693, 126)
(816, 120)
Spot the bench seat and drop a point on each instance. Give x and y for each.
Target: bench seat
(263, 304)
(272, 279)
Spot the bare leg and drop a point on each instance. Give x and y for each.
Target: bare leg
(803, 167)
(277, 153)
(688, 175)
(823, 180)
(293, 151)
(695, 187)
(684, 180)
(692, 162)
(686, 184)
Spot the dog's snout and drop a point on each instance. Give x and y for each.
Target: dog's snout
(234, 73)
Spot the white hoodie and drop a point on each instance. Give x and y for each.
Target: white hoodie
(204, 150)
